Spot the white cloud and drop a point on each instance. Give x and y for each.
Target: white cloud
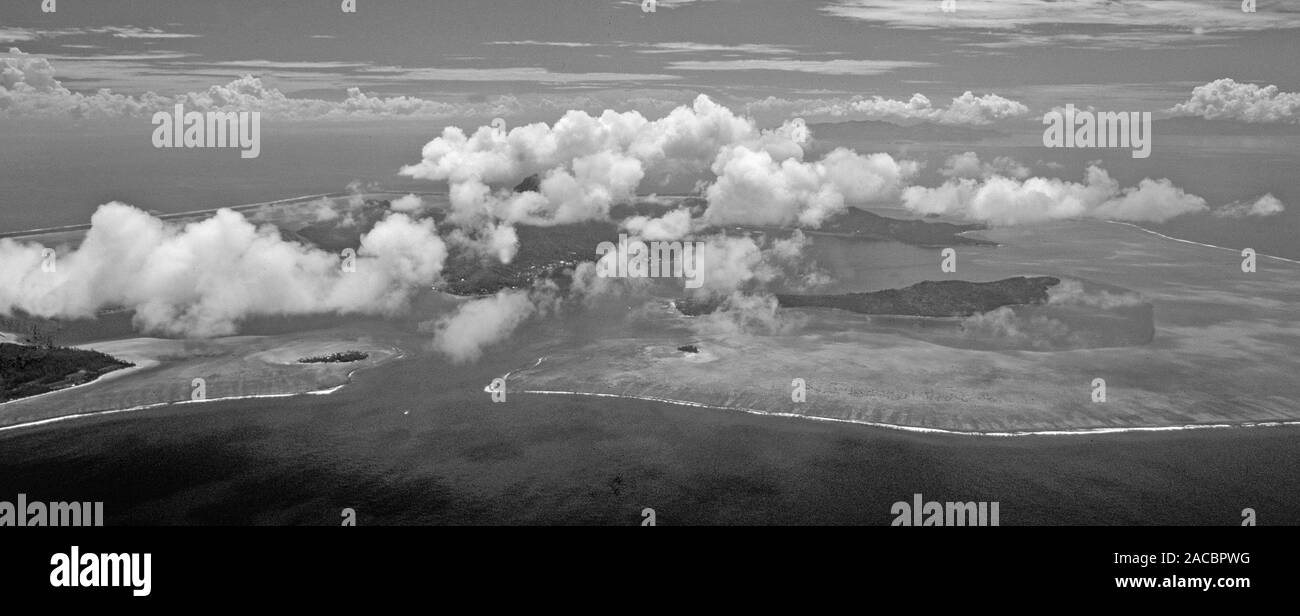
(1006, 201)
(203, 278)
(753, 187)
(821, 67)
(29, 88)
(1267, 205)
(1225, 99)
(407, 203)
(673, 225)
(480, 323)
(1014, 16)
(585, 163)
(965, 109)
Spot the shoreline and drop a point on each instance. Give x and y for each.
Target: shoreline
(61, 418)
(1181, 240)
(924, 430)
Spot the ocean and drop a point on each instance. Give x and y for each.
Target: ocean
(456, 459)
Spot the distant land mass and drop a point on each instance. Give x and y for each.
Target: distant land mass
(549, 251)
(1193, 126)
(867, 225)
(27, 370)
(943, 298)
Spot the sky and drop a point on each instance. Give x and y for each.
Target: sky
(533, 59)
(711, 97)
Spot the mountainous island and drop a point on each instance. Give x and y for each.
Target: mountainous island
(944, 298)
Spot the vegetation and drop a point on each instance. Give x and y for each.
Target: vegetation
(335, 358)
(945, 298)
(32, 370)
(866, 225)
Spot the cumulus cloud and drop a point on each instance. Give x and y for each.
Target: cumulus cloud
(585, 163)
(1267, 205)
(968, 165)
(673, 225)
(1225, 99)
(753, 187)
(495, 241)
(1007, 201)
(480, 323)
(967, 109)
(407, 203)
(201, 279)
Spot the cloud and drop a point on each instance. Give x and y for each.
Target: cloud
(1072, 293)
(480, 323)
(673, 225)
(29, 88)
(408, 203)
(748, 314)
(1006, 201)
(753, 187)
(968, 165)
(820, 67)
(1006, 325)
(713, 48)
(1267, 205)
(585, 163)
(967, 109)
(1225, 99)
(203, 278)
(1024, 19)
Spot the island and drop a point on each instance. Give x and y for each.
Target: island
(28, 370)
(944, 298)
(335, 358)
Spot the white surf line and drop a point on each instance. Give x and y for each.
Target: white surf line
(107, 376)
(1178, 239)
(919, 429)
(61, 418)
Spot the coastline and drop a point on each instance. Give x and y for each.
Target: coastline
(62, 418)
(924, 430)
(1181, 240)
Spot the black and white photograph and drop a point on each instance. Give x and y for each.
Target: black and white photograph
(632, 263)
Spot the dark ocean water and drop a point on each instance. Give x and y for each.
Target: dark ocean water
(457, 458)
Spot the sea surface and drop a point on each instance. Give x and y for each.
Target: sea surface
(419, 441)
(406, 445)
